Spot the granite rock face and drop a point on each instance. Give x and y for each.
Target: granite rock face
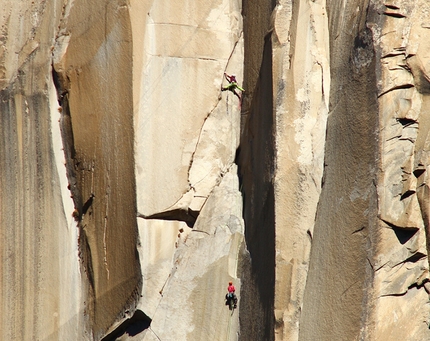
(41, 283)
(133, 189)
(88, 167)
(369, 256)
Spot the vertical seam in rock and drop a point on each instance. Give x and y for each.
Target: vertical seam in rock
(210, 112)
(104, 236)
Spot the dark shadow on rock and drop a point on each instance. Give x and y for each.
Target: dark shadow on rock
(256, 162)
(404, 235)
(186, 215)
(138, 323)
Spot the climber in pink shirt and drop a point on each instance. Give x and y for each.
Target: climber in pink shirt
(232, 86)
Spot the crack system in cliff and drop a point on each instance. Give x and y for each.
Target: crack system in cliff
(61, 83)
(186, 213)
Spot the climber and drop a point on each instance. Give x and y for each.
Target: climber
(232, 86)
(231, 294)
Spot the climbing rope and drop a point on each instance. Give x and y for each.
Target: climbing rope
(229, 325)
(231, 118)
(226, 102)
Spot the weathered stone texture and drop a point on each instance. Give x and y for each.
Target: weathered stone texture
(123, 213)
(184, 54)
(202, 266)
(185, 171)
(401, 45)
(40, 279)
(336, 300)
(364, 267)
(281, 160)
(96, 74)
(301, 94)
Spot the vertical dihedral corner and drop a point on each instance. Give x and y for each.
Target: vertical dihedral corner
(93, 77)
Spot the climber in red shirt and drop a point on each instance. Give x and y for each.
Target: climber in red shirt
(231, 288)
(231, 294)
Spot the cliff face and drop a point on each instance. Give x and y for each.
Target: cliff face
(133, 189)
(340, 275)
(40, 276)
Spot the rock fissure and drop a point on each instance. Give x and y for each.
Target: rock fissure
(391, 6)
(397, 87)
(396, 137)
(186, 216)
(407, 194)
(394, 14)
(155, 334)
(406, 229)
(105, 230)
(416, 285)
(381, 266)
(348, 288)
(184, 57)
(194, 230)
(61, 84)
(406, 122)
(415, 257)
(209, 173)
(359, 230)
